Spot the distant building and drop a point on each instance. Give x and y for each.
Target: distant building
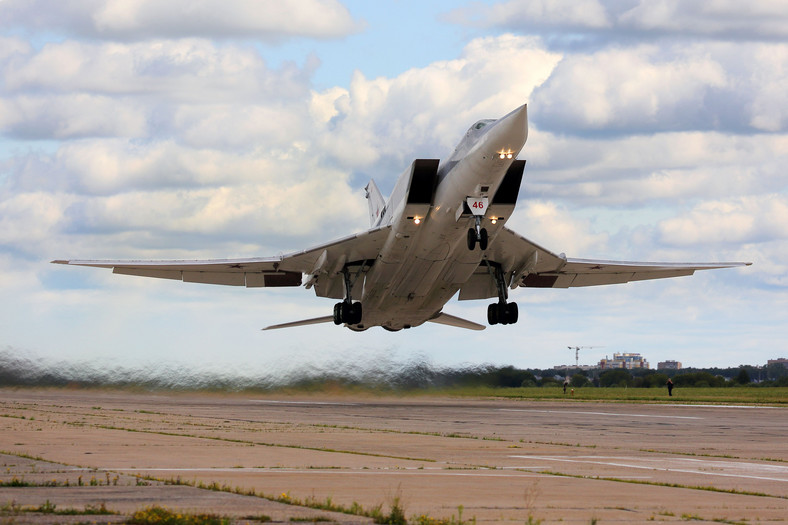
(669, 365)
(779, 361)
(628, 360)
(574, 367)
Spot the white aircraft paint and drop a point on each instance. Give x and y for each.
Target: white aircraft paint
(442, 231)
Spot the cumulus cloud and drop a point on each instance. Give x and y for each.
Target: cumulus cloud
(613, 20)
(646, 89)
(431, 107)
(744, 220)
(267, 20)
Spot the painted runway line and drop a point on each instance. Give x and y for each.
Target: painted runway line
(660, 465)
(589, 413)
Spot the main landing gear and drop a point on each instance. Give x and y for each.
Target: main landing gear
(347, 312)
(477, 234)
(500, 312)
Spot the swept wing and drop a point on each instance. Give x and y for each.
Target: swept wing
(525, 263)
(321, 263)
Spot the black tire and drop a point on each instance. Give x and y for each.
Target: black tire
(514, 313)
(503, 312)
(483, 239)
(471, 239)
(338, 314)
(492, 314)
(345, 309)
(354, 313)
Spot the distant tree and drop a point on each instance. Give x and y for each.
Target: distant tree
(615, 377)
(698, 379)
(579, 380)
(744, 377)
(549, 381)
(651, 380)
(529, 380)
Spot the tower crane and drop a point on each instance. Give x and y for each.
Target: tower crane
(577, 353)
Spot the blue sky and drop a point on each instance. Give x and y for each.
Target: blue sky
(244, 128)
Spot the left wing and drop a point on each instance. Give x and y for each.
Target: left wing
(322, 264)
(525, 263)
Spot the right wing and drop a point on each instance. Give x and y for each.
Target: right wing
(525, 263)
(322, 264)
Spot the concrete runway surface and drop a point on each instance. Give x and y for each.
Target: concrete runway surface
(501, 460)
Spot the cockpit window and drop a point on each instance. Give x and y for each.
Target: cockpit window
(482, 123)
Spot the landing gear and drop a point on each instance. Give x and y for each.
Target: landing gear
(477, 234)
(347, 312)
(501, 312)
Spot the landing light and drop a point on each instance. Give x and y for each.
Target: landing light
(494, 220)
(505, 154)
(417, 220)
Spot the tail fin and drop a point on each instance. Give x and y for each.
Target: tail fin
(377, 206)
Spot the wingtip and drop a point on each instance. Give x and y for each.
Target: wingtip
(58, 261)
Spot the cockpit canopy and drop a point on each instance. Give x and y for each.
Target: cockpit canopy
(482, 123)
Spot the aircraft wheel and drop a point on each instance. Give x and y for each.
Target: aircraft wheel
(483, 239)
(345, 310)
(503, 313)
(471, 239)
(492, 314)
(513, 313)
(354, 313)
(338, 313)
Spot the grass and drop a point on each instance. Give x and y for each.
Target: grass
(155, 515)
(728, 395)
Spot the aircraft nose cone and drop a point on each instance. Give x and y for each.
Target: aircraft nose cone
(510, 132)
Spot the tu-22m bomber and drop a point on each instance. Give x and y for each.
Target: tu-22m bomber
(442, 231)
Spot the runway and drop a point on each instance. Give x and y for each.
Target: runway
(502, 461)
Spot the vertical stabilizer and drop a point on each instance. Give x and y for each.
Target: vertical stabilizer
(377, 205)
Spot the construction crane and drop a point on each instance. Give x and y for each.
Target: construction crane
(577, 353)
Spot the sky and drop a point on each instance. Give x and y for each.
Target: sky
(240, 128)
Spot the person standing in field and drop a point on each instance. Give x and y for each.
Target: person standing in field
(670, 387)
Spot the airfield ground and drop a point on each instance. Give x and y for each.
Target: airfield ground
(502, 461)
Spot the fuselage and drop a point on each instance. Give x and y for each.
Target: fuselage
(425, 259)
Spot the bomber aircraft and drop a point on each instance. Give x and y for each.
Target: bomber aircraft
(441, 231)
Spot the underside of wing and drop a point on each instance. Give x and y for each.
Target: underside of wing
(587, 272)
(285, 270)
(524, 263)
(252, 272)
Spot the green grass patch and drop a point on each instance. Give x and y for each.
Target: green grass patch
(155, 515)
(725, 395)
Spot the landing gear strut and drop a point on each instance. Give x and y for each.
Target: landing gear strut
(500, 312)
(477, 234)
(347, 311)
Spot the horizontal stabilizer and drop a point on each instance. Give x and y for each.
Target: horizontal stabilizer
(451, 320)
(316, 320)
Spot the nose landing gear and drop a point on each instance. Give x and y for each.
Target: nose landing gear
(477, 234)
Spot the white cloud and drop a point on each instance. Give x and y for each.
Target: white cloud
(717, 18)
(633, 89)
(556, 229)
(188, 70)
(744, 220)
(270, 20)
(430, 107)
(641, 19)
